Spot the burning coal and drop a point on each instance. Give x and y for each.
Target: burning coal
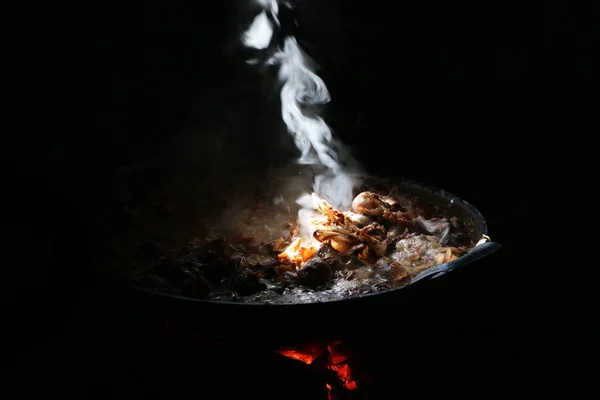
(326, 357)
(302, 93)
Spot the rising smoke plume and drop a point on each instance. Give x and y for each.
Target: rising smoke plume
(303, 93)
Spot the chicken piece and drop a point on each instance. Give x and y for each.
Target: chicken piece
(279, 245)
(375, 230)
(391, 270)
(372, 205)
(314, 273)
(248, 282)
(340, 231)
(435, 226)
(339, 240)
(327, 252)
(422, 252)
(369, 204)
(358, 219)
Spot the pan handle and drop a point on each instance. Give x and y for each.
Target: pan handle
(482, 249)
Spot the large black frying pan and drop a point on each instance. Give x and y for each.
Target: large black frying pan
(281, 322)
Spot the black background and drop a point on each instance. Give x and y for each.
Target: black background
(455, 95)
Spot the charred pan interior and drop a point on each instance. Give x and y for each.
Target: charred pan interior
(396, 232)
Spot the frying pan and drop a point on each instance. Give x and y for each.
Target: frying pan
(288, 323)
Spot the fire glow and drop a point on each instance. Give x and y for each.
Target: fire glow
(296, 253)
(336, 362)
(302, 248)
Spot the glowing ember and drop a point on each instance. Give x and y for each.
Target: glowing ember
(336, 363)
(344, 375)
(296, 253)
(336, 357)
(307, 357)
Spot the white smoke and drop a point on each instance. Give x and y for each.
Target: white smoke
(260, 32)
(302, 91)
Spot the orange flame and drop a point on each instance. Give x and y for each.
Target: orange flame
(296, 253)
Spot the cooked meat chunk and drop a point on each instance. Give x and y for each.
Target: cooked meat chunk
(369, 204)
(390, 270)
(316, 272)
(374, 230)
(327, 252)
(421, 252)
(358, 219)
(248, 281)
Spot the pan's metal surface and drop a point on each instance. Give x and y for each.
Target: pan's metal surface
(447, 202)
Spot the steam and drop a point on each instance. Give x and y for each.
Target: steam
(260, 32)
(302, 94)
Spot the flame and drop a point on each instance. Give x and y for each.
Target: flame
(305, 246)
(296, 253)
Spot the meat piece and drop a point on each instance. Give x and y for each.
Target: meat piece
(262, 249)
(459, 234)
(326, 251)
(279, 245)
(216, 272)
(435, 226)
(419, 253)
(358, 219)
(372, 205)
(369, 204)
(316, 272)
(374, 230)
(256, 261)
(394, 235)
(360, 273)
(391, 201)
(338, 239)
(412, 205)
(270, 271)
(356, 249)
(281, 268)
(215, 249)
(286, 273)
(391, 270)
(248, 282)
(341, 233)
(287, 277)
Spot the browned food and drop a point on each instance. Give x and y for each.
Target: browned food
(415, 253)
(384, 241)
